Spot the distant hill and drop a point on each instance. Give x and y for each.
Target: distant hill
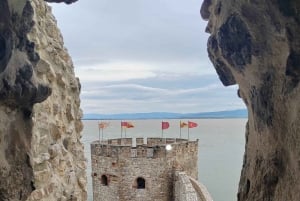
(240, 113)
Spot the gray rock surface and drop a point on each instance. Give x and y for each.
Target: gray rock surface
(40, 150)
(256, 45)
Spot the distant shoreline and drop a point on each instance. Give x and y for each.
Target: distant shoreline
(231, 114)
(171, 118)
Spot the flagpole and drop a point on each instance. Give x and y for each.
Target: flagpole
(125, 132)
(99, 130)
(121, 130)
(162, 130)
(188, 130)
(180, 129)
(102, 134)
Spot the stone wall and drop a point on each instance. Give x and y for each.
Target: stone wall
(19, 91)
(57, 153)
(256, 44)
(184, 190)
(122, 164)
(186, 158)
(188, 189)
(202, 192)
(40, 149)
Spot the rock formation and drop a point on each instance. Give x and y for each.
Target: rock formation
(40, 149)
(65, 1)
(256, 44)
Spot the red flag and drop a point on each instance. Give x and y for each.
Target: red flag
(183, 124)
(192, 124)
(126, 124)
(165, 125)
(103, 125)
(129, 125)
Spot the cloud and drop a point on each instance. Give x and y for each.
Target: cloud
(120, 71)
(161, 104)
(135, 91)
(142, 31)
(114, 72)
(126, 97)
(142, 56)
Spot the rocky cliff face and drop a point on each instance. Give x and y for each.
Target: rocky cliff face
(40, 150)
(256, 45)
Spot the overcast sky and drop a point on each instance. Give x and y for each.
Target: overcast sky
(142, 56)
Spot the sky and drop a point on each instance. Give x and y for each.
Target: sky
(140, 56)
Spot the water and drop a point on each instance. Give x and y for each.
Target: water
(221, 148)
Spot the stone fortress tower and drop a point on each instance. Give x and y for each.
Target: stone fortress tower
(146, 169)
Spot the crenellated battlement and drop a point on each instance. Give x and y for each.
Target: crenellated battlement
(142, 147)
(140, 168)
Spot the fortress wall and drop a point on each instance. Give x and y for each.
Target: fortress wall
(122, 170)
(155, 141)
(125, 141)
(184, 190)
(110, 150)
(158, 179)
(186, 157)
(107, 166)
(201, 190)
(161, 141)
(122, 165)
(139, 141)
(119, 141)
(114, 141)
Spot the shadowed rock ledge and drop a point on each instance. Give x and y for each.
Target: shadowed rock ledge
(40, 150)
(60, 1)
(256, 45)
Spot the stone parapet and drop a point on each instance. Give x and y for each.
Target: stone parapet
(140, 169)
(188, 189)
